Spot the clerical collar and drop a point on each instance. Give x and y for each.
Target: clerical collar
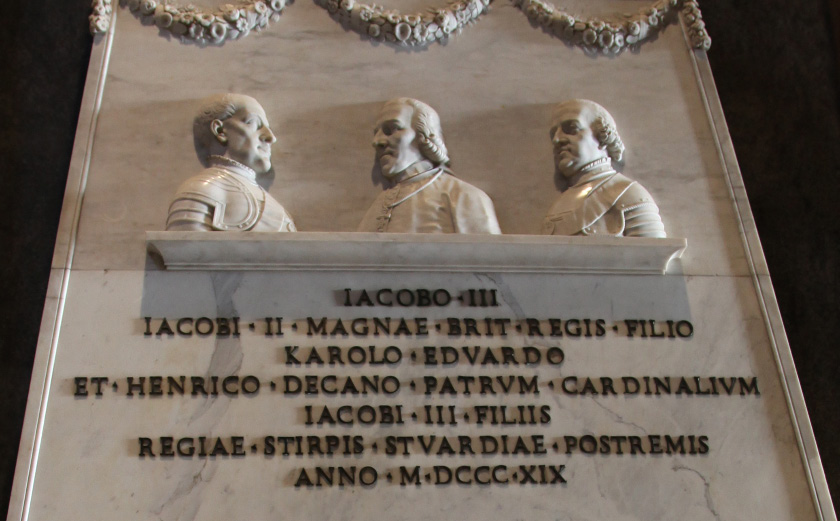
(415, 170)
(233, 166)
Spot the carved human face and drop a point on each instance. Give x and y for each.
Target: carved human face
(395, 140)
(247, 136)
(575, 146)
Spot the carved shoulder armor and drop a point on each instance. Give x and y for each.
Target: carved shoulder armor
(214, 200)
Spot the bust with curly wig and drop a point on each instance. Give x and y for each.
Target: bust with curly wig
(598, 200)
(423, 196)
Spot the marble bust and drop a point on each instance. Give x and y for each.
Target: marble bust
(233, 140)
(423, 196)
(598, 200)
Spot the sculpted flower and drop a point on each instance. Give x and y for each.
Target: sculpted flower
(590, 36)
(596, 25)
(634, 28)
(148, 7)
(99, 24)
(218, 31)
(412, 19)
(196, 31)
(365, 14)
(278, 5)
(242, 25)
(420, 33)
(186, 18)
(619, 40)
(393, 17)
(447, 22)
(230, 13)
(100, 10)
(402, 31)
(348, 5)
(606, 39)
(260, 7)
(374, 31)
(163, 19)
(205, 19)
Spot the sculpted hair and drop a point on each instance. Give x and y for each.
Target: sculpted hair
(426, 122)
(219, 106)
(603, 127)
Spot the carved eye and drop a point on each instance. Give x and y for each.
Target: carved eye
(571, 127)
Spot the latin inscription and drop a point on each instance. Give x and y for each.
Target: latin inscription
(476, 398)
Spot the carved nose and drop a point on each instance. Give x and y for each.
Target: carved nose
(378, 139)
(268, 136)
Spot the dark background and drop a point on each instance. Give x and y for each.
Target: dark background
(775, 63)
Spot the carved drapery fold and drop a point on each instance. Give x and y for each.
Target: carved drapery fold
(610, 35)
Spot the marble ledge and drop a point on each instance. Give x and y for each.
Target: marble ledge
(327, 251)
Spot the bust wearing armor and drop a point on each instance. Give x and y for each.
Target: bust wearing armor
(424, 196)
(598, 200)
(233, 140)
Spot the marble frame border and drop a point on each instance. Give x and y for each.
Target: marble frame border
(760, 275)
(59, 280)
(63, 255)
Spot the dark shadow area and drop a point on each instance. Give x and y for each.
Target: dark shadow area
(46, 46)
(775, 65)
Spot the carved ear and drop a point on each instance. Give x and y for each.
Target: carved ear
(218, 130)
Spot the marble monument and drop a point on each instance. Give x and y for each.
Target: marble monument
(338, 373)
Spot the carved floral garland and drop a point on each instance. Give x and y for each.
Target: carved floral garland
(415, 29)
(611, 36)
(615, 35)
(191, 23)
(100, 18)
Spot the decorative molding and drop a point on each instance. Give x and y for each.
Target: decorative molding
(100, 17)
(619, 32)
(203, 26)
(597, 36)
(414, 252)
(408, 30)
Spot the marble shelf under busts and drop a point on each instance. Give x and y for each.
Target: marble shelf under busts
(328, 251)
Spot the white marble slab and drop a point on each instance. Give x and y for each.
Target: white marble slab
(321, 86)
(753, 468)
(313, 251)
